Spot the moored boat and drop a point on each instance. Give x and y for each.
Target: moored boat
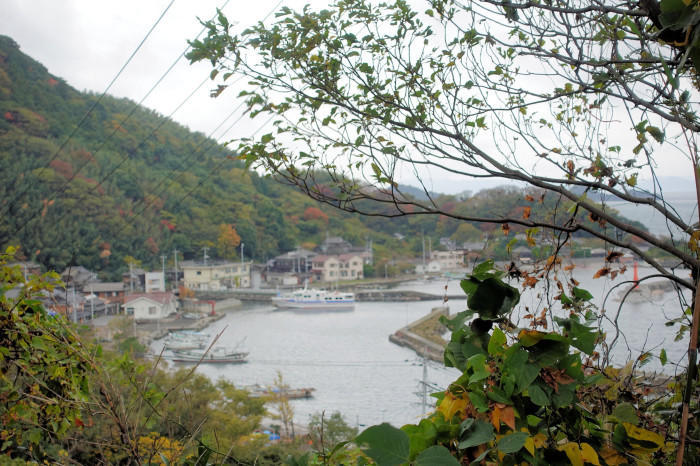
(218, 355)
(258, 391)
(186, 340)
(312, 299)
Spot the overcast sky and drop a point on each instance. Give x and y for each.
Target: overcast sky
(87, 42)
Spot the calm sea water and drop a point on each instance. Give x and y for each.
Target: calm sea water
(348, 359)
(657, 224)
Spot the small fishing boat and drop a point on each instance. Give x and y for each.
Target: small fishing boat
(258, 391)
(312, 299)
(216, 355)
(186, 340)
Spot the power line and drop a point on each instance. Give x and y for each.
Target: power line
(156, 193)
(220, 164)
(96, 102)
(134, 107)
(211, 144)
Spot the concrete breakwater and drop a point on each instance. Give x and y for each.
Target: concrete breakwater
(406, 336)
(265, 296)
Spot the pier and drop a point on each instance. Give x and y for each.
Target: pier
(407, 336)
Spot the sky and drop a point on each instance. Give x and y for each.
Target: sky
(87, 42)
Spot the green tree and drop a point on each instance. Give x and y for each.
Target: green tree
(328, 431)
(577, 99)
(44, 371)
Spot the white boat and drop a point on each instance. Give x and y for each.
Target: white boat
(312, 299)
(184, 345)
(218, 355)
(182, 341)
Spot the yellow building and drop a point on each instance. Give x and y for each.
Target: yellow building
(215, 276)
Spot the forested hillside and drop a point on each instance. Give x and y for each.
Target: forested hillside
(88, 181)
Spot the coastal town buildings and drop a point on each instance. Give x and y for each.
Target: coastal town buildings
(338, 267)
(112, 293)
(154, 281)
(150, 306)
(217, 275)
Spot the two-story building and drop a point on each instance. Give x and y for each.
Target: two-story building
(213, 276)
(338, 267)
(449, 260)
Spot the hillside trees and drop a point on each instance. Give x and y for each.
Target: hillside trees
(579, 100)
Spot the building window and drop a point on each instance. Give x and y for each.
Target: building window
(129, 310)
(151, 310)
(199, 272)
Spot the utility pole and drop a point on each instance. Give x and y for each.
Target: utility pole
(75, 314)
(425, 381)
(163, 259)
(131, 276)
(176, 276)
(205, 249)
(92, 305)
(424, 270)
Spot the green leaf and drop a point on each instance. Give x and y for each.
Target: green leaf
(436, 456)
(512, 442)
(538, 396)
(421, 436)
(662, 357)
(478, 399)
(625, 412)
(385, 444)
(583, 295)
(496, 342)
(491, 298)
(483, 270)
(480, 433)
(477, 364)
(524, 372)
(499, 396)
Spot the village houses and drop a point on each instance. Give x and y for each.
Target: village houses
(214, 276)
(341, 267)
(150, 306)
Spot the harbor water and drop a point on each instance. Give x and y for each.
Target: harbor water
(347, 357)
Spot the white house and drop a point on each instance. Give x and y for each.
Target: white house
(341, 267)
(150, 306)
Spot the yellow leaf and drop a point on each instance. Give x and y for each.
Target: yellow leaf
(642, 439)
(530, 445)
(589, 455)
(451, 405)
(573, 452)
(612, 457)
(540, 440)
